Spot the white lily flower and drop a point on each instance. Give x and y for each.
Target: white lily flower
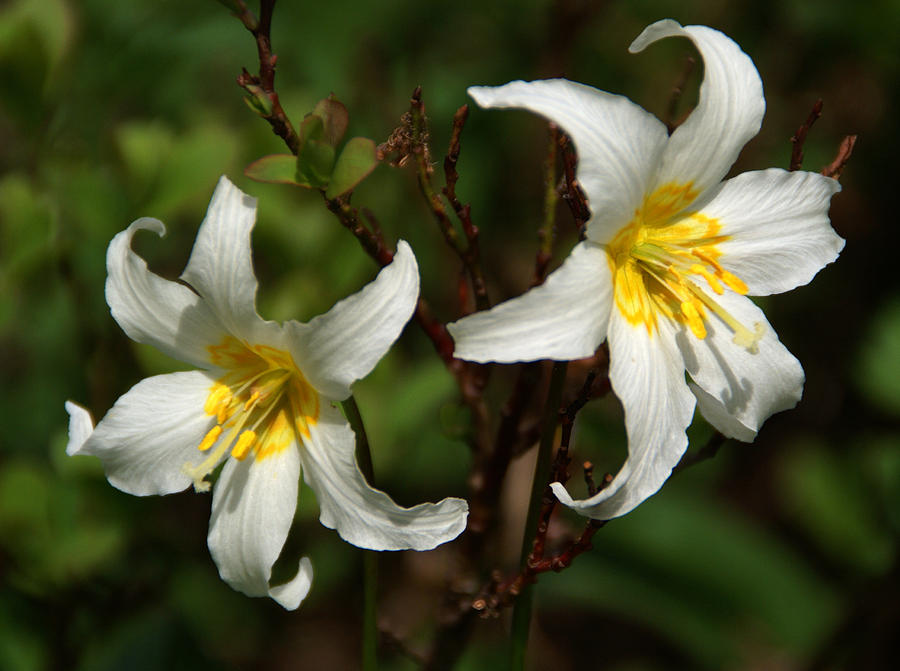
(671, 254)
(263, 402)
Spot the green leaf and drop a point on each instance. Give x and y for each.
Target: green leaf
(334, 119)
(354, 164)
(274, 169)
(259, 101)
(315, 158)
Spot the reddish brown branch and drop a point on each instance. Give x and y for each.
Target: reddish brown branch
(572, 194)
(677, 92)
(800, 136)
(467, 252)
(708, 451)
(496, 594)
(547, 231)
(261, 87)
(845, 151)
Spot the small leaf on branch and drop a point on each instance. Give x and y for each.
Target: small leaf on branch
(315, 157)
(274, 169)
(258, 100)
(334, 118)
(354, 164)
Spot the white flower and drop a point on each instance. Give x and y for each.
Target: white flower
(671, 253)
(263, 402)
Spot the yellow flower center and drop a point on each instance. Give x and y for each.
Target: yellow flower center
(661, 260)
(261, 404)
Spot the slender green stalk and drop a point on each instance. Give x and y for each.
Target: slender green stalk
(370, 558)
(521, 617)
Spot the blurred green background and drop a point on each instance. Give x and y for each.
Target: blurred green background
(776, 555)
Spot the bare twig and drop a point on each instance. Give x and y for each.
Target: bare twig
(800, 136)
(845, 151)
(467, 252)
(677, 91)
(261, 87)
(572, 194)
(708, 451)
(547, 231)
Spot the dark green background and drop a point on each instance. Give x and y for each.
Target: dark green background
(776, 555)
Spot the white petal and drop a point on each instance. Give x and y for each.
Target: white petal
(647, 375)
(156, 311)
(81, 425)
(221, 265)
(742, 389)
(619, 144)
(344, 344)
(728, 114)
(364, 516)
(151, 432)
(777, 225)
(290, 594)
(252, 509)
(564, 318)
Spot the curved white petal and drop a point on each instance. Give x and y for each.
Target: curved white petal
(728, 114)
(151, 432)
(221, 265)
(647, 375)
(156, 311)
(564, 318)
(252, 508)
(742, 389)
(364, 516)
(290, 594)
(344, 344)
(619, 144)
(779, 235)
(81, 425)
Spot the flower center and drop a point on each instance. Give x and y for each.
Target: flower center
(261, 404)
(665, 261)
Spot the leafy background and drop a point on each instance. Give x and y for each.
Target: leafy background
(776, 555)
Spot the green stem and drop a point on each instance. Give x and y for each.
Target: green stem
(521, 617)
(370, 558)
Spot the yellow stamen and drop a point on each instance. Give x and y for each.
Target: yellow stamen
(210, 438)
(711, 279)
(243, 444)
(254, 397)
(695, 322)
(742, 335)
(735, 283)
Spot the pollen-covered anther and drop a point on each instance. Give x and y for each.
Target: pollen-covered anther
(693, 318)
(710, 278)
(210, 438)
(244, 442)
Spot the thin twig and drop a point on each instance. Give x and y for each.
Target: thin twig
(547, 231)
(800, 136)
(467, 252)
(261, 87)
(845, 151)
(572, 194)
(677, 93)
(708, 451)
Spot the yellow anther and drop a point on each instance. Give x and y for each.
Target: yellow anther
(693, 318)
(219, 394)
(210, 438)
(708, 260)
(243, 444)
(711, 279)
(734, 282)
(254, 397)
